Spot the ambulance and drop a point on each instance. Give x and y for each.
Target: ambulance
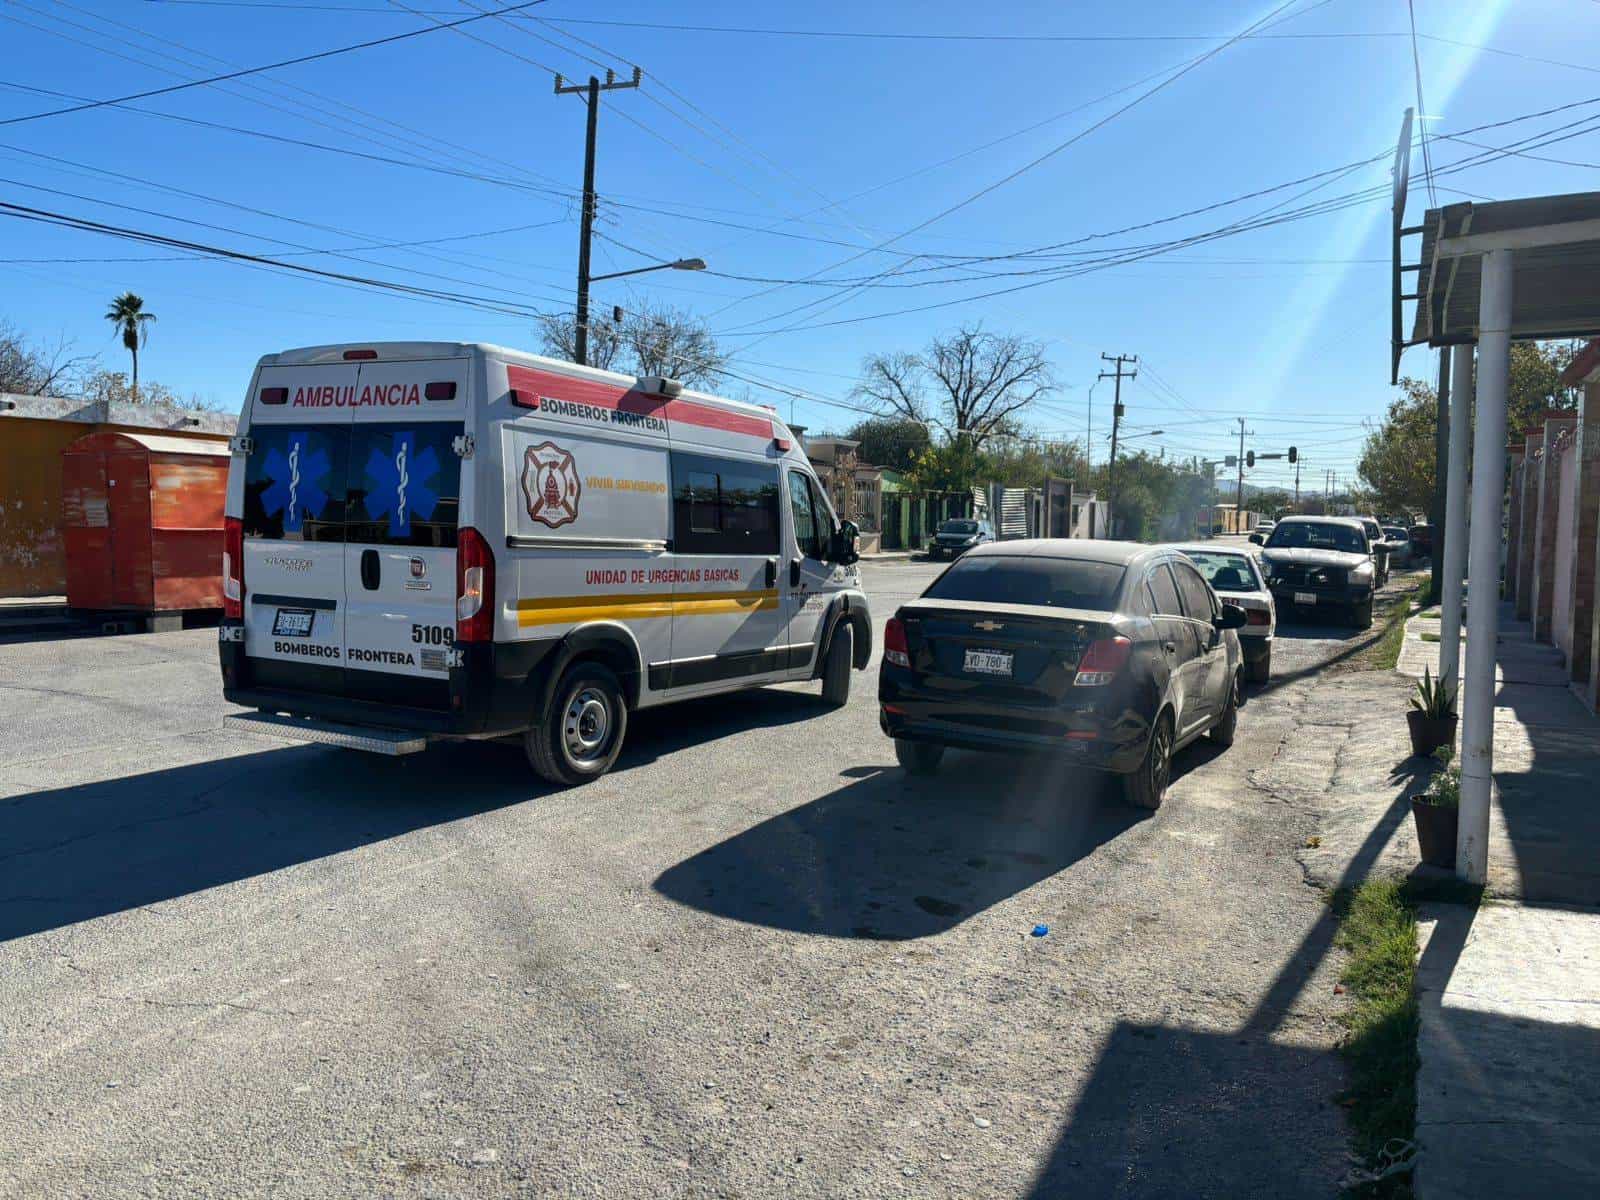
(436, 540)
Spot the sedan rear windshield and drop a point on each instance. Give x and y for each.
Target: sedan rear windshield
(1225, 572)
(1051, 582)
(959, 527)
(1306, 535)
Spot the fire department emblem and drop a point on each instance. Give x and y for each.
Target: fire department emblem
(550, 484)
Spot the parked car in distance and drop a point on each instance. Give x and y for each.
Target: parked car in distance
(1399, 543)
(1113, 654)
(1319, 563)
(1421, 541)
(1265, 527)
(1236, 578)
(955, 537)
(1378, 547)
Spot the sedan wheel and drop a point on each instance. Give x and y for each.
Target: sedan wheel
(1147, 786)
(1222, 732)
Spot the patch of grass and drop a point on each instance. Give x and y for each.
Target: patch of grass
(1387, 651)
(1378, 928)
(1430, 637)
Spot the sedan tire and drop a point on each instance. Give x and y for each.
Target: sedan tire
(1227, 724)
(918, 758)
(1146, 787)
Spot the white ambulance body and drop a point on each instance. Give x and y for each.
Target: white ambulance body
(456, 540)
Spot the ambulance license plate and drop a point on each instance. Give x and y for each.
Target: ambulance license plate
(987, 662)
(1305, 597)
(293, 622)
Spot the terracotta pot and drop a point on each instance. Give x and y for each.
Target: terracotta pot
(1436, 833)
(1429, 733)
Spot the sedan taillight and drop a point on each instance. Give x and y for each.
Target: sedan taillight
(895, 647)
(1102, 660)
(1257, 616)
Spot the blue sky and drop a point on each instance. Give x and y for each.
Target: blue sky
(779, 156)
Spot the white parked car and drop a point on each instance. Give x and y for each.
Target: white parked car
(1235, 576)
(442, 540)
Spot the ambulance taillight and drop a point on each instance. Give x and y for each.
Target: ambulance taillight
(474, 587)
(233, 568)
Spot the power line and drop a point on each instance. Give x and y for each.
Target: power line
(244, 71)
(1422, 110)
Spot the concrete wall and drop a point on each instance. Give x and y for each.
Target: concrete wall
(1556, 430)
(32, 435)
(1527, 526)
(1585, 544)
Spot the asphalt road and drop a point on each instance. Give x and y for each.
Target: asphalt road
(755, 960)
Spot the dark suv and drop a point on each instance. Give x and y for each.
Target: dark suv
(1320, 563)
(955, 537)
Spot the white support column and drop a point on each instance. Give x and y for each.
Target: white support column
(1483, 567)
(1455, 517)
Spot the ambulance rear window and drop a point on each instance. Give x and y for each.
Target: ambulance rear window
(404, 484)
(294, 483)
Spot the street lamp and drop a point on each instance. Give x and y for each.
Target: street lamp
(682, 264)
(580, 339)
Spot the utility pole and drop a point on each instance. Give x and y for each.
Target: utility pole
(1238, 509)
(580, 333)
(1116, 419)
(1297, 484)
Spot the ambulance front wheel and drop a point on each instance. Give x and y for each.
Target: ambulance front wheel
(580, 736)
(836, 667)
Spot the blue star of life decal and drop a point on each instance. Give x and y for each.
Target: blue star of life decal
(297, 473)
(402, 482)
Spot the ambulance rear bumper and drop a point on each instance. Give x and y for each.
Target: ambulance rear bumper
(496, 689)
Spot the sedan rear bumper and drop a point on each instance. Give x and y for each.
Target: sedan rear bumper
(1085, 739)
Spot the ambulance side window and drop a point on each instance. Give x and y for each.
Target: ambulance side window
(809, 517)
(723, 506)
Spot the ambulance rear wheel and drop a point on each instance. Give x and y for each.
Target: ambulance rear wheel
(836, 668)
(580, 736)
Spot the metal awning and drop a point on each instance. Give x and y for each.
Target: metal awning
(1555, 274)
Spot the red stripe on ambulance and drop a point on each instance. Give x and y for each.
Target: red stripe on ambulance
(608, 396)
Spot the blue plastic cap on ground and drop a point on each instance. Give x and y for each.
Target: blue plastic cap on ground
(1040, 930)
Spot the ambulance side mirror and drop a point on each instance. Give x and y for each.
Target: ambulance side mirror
(842, 545)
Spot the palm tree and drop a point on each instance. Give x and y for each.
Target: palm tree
(128, 315)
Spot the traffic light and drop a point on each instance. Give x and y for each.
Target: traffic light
(1294, 454)
(1250, 458)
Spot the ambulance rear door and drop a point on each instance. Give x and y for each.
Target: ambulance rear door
(405, 490)
(294, 525)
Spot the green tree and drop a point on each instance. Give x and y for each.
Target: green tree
(127, 314)
(954, 466)
(889, 442)
(1397, 459)
(1535, 384)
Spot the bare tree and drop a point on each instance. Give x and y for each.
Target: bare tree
(970, 384)
(675, 343)
(558, 337)
(29, 369)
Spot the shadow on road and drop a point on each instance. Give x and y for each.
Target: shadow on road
(893, 856)
(73, 854)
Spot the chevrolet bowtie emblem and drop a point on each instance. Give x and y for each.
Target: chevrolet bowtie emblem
(987, 626)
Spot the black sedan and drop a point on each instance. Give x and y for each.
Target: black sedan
(955, 537)
(1113, 654)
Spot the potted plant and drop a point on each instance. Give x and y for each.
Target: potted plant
(1433, 716)
(1436, 812)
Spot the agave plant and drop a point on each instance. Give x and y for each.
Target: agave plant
(1435, 698)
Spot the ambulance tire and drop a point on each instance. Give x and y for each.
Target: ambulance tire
(581, 735)
(836, 669)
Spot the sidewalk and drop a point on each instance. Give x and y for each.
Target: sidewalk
(1508, 1093)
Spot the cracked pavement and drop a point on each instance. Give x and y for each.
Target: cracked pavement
(755, 960)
